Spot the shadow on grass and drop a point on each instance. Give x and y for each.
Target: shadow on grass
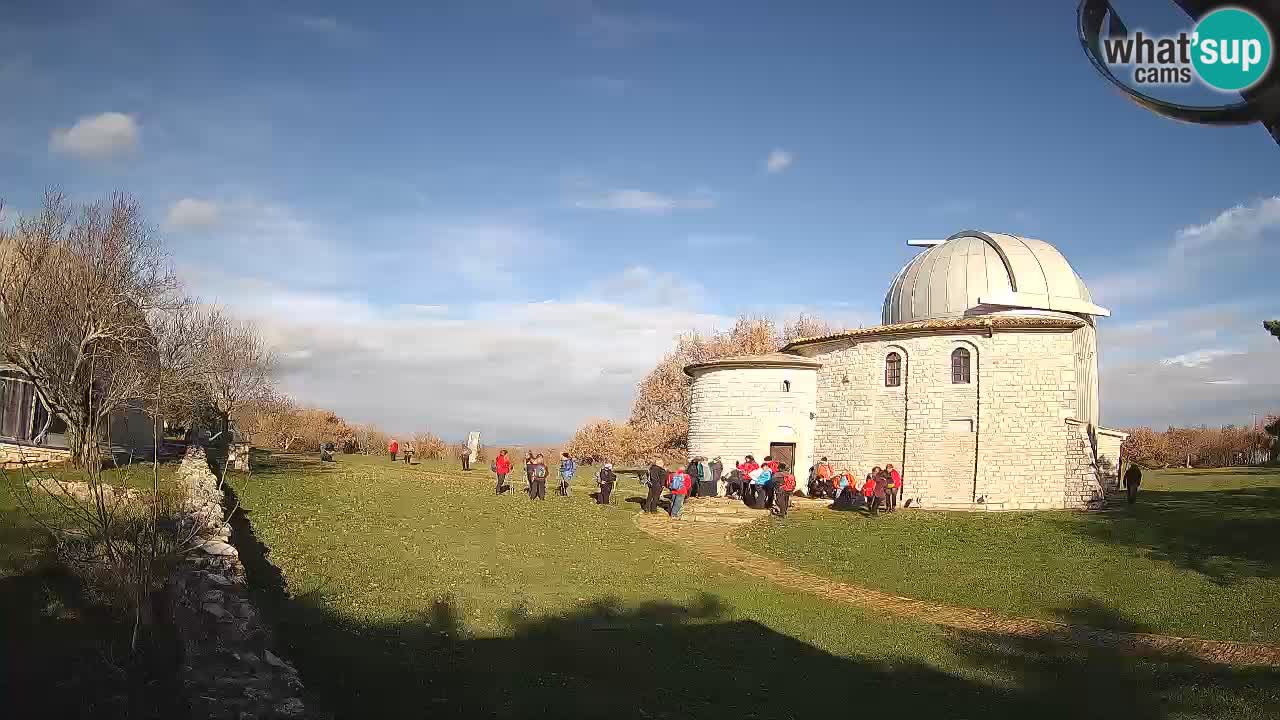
(1226, 535)
(607, 659)
(64, 655)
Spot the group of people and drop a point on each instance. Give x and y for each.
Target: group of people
(760, 485)
(880, 488)
(535, 470)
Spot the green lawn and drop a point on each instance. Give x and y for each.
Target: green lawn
(413, 591)
(1198, 555)
(61, 652)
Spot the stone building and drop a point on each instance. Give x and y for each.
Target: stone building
(981, 384)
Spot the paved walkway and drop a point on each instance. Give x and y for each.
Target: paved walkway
(712, 539)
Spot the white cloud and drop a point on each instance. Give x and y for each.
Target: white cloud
(777, 161)
(646, 201)
(610, 28)
(192, 214)
(97, 137)
(516, 371)
(1212, 252)
(1199, 358)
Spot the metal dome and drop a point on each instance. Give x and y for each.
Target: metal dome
(978, 273)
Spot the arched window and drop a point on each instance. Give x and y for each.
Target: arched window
(893, 370)
(960, 366)
(786, 386)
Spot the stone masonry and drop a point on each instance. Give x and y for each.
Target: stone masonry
(738, 411)
(229, 669)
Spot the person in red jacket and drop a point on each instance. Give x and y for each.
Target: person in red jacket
(869, 487)
(678, 484)
(895, 487)
(501, 466)
(393, 447)
(785, 485)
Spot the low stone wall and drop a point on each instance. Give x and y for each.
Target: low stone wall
(13, 455)
(229, 669)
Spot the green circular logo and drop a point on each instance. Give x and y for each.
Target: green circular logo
(1231, 49)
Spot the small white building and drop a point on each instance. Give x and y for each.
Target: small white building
(981, 385)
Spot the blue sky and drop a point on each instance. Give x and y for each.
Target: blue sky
(497, 213)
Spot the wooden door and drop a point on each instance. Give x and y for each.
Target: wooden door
(784, 453)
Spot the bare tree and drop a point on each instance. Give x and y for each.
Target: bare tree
(76, 288)
(239, 367)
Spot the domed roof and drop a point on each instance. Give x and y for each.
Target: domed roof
(978, 273)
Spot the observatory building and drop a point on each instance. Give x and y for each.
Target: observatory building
(981, 385)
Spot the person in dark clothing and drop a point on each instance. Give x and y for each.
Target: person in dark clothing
(605, 480)
(783, 487)
(717, 474)
(694, 470)
(1132, 479)
(880, 493)
(538, 490)
(657, 483)
(733, 486)
(528, 473)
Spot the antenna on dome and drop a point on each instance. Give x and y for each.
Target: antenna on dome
(924, 243)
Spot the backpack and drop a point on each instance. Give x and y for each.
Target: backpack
(788, 482)
(540, 471)
(677, 481)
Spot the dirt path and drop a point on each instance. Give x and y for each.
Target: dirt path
(713, 540)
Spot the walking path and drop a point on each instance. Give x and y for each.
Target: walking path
(709, 524)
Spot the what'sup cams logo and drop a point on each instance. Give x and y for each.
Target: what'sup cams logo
(1229, 49)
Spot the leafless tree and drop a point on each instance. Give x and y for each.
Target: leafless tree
(239, 367)
(76, 287)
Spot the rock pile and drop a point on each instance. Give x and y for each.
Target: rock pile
(229, 670)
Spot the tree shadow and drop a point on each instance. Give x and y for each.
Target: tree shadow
(610, 658)
(1226, 535)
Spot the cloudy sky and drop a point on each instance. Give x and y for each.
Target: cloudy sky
(496, 214)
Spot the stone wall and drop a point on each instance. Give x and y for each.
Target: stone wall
(734, 412)
(1007, 423)
(13, 455)
(1083, 488)
(229, 669)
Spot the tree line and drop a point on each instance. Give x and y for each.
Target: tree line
(1203, 446)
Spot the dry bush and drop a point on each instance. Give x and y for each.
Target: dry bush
(429, 446)
(1199, 446)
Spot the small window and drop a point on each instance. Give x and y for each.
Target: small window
(893, 370)
(786, 386)
(960, 366)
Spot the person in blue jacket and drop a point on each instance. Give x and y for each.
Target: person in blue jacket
(567, 469)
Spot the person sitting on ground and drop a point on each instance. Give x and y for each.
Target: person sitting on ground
(785, 485)
(678, 483)
(843, 490)
(1132, 479)
(657, 479)
(538, 490)
(717, 476)
(393, 448)
(734, 484)
(605, 480)
(501, 467)
(869, 486)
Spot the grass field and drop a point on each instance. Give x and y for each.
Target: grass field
(1197, 556)
(414, 591)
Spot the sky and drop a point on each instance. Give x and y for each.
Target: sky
(497, 214)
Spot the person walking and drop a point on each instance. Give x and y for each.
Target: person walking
(393, 448)
(605, 480)
(567, 468)
(528, 473)
(678, 483)
(1132, 479)
(785, 485)
(657, 479)
(538, 490)
(466, 458)
(717, 475)
(501, 467)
